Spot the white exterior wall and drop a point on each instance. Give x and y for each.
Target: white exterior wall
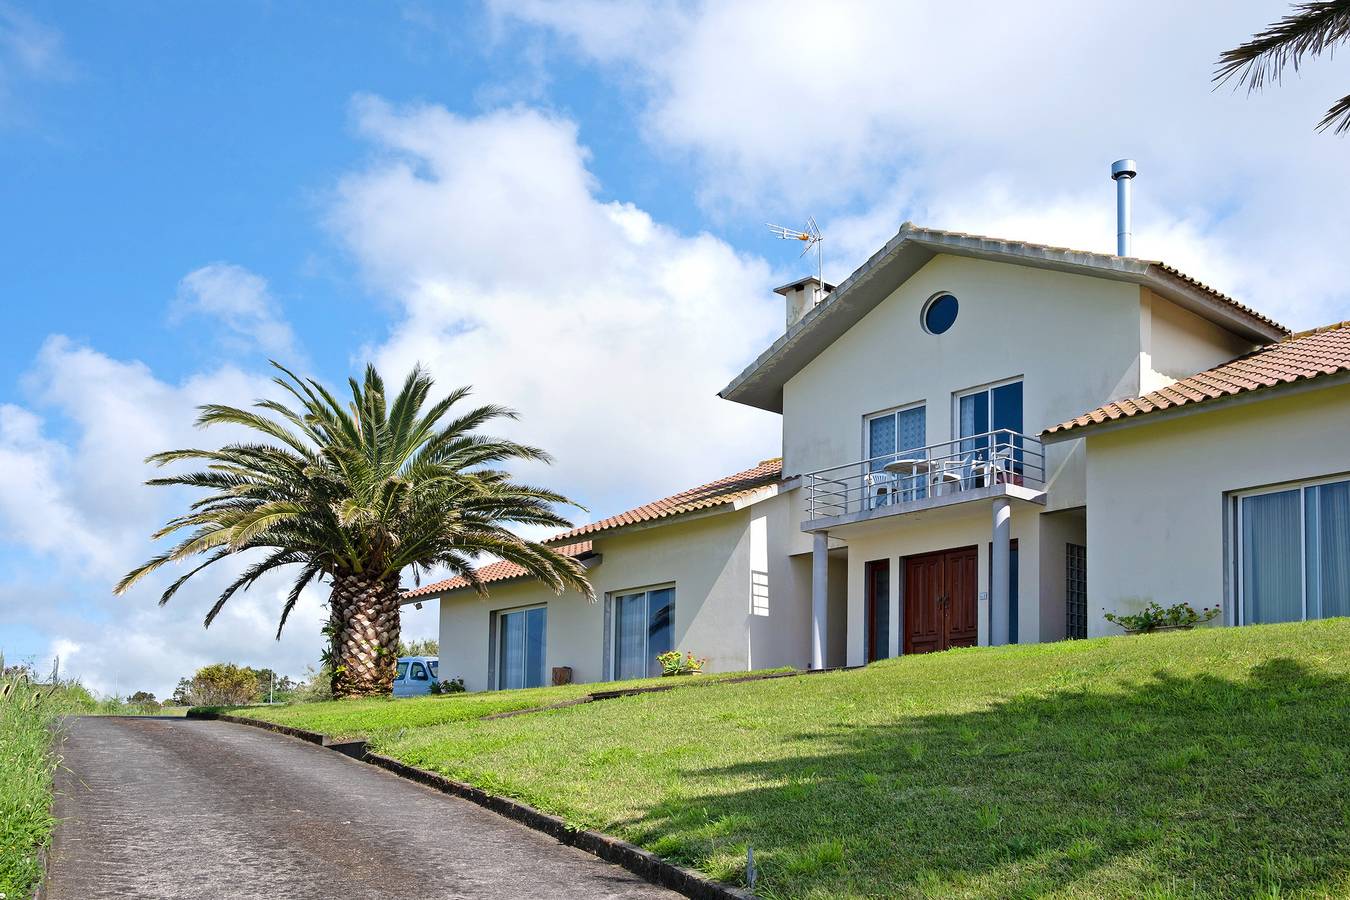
(1157, 508)
(1176, 343)
(710, 561)
(943, 529)
(1073, 339)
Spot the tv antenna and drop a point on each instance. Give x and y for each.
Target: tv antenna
(809, 235)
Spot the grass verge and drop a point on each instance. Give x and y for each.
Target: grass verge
(27, 716)
(1212, 763)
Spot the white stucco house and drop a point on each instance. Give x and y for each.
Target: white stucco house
(983, 441)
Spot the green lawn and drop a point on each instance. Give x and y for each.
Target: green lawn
(380, 717)
(1211, 763)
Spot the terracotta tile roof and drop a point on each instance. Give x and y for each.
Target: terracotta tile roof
(1218, 294)
(714, 493)
(1299, 357)
(706, 496)
(498, 571)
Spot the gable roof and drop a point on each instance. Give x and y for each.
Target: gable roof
(706, 496)
(1298, 358)
(723, 491)
(498, 571)
(761, 384)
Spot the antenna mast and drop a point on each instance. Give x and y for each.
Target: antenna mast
(811, 236)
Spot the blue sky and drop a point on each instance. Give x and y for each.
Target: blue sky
(561, 203)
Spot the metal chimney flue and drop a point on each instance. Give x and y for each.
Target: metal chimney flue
(1122, 172)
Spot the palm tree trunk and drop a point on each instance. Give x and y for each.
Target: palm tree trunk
(365, 617)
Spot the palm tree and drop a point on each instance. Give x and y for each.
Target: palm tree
(1311, 29)
(355, 495)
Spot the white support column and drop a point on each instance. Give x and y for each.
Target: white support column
(998, 572)
(820, 593)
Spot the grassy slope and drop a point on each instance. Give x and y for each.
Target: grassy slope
(1211, 763)
(350, 718)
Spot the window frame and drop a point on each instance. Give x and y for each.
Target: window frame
(987, 388)
(413, 669)
(928, 306)
(500, 615)
(1237, 596)
(892, 411)
(615, 635)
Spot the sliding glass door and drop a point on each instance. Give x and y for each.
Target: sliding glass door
(520, 651)
(644, 627)
(1294, 553)
(992, 409)
(989, 409)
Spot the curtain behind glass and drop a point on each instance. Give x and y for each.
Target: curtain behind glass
(630, 625)
(536, 625)
(1272, 558)
(660, 627)
(1327, 517)
(880, 440)
(973, 410)
(511, 663)
(911, 437)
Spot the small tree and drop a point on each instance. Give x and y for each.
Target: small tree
(426, 647)
(182, 694)
(223, 684)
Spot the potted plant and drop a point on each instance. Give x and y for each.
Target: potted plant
(1180, 617)
(673, 664)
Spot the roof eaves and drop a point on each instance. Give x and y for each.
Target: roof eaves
(1179, 410)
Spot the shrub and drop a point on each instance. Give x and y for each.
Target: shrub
(223, 684)
(448, 686)
(672, 663)
(1154, 616)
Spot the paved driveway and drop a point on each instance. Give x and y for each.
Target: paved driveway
(180, 808)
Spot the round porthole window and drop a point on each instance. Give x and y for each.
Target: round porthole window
(939, 313)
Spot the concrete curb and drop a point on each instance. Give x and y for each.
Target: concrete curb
(640, 862)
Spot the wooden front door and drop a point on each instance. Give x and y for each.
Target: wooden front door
(941, 609)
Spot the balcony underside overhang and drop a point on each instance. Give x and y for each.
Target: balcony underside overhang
(928, 505)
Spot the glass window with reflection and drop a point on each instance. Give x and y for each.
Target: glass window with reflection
(520, 655)
(644, 628)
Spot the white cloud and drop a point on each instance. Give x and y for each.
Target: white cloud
(610, 332)
(1006, 115)
(76, 516)
(30, 52)
(241, 301)
(29, 47)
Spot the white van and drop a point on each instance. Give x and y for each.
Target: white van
(415, 675)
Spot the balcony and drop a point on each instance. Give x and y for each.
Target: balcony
(982, 466)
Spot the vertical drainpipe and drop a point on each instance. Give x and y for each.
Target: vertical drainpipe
(820, 586)
(998, 572)
(1122, 172)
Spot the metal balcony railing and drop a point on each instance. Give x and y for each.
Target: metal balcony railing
(946, 469)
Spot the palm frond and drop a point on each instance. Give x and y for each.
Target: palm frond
(372, 487)
(1311, 29)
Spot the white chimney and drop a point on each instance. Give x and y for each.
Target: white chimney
(1122, 173)
(802, 296)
